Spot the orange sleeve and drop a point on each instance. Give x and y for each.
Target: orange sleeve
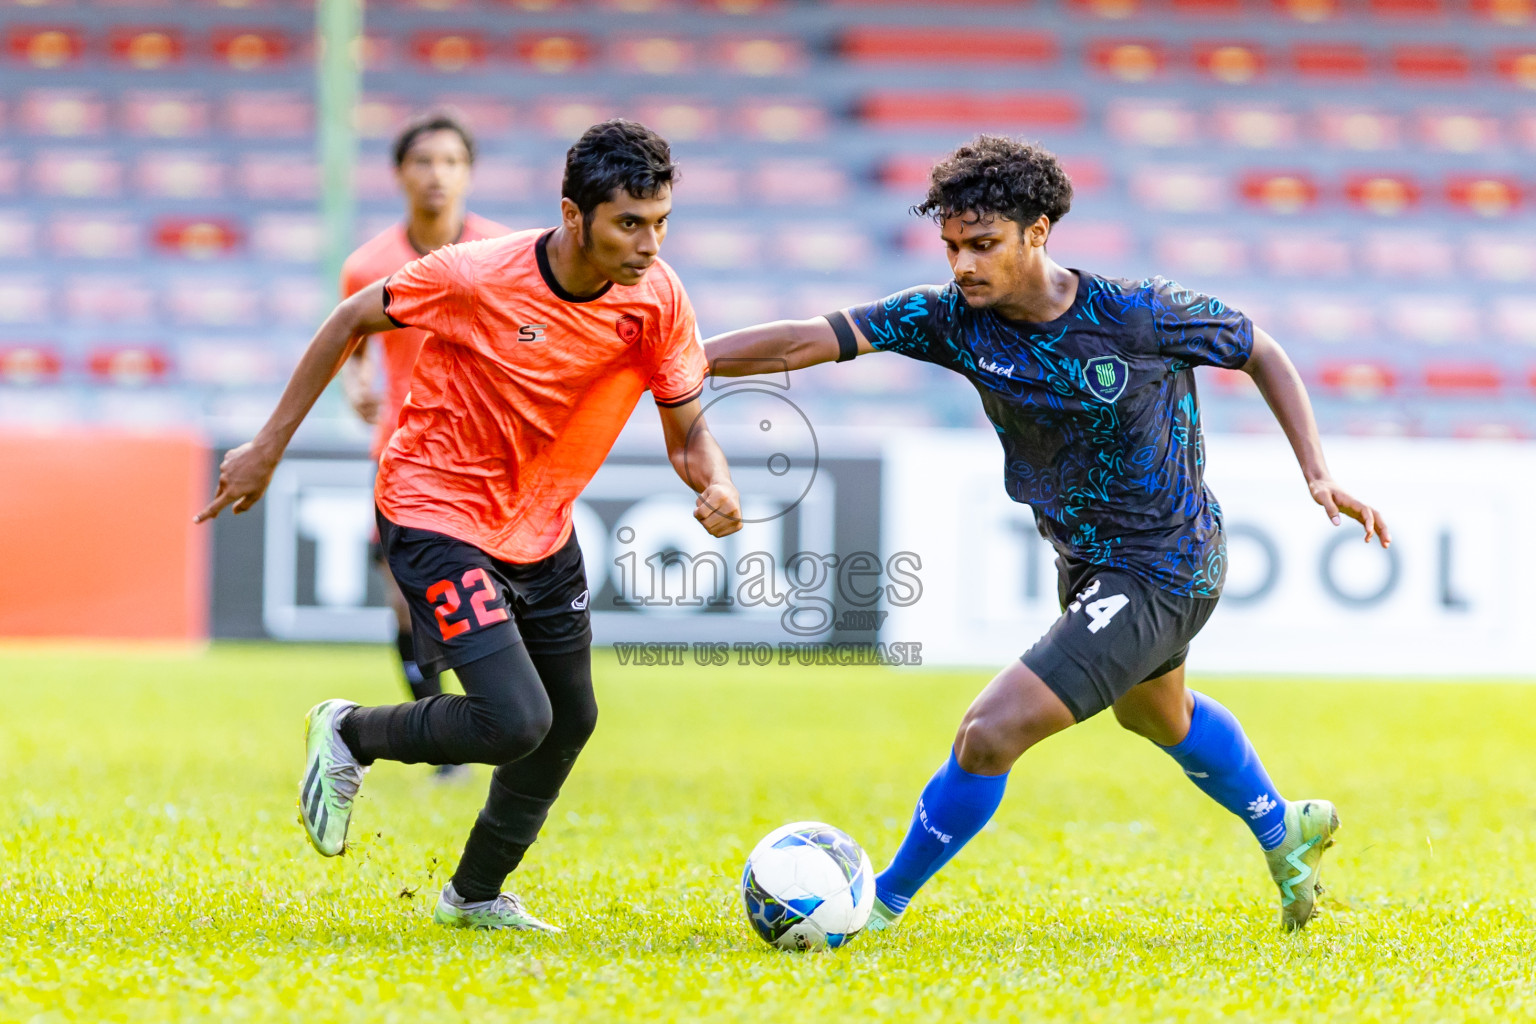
(679, 376)
(435, 293)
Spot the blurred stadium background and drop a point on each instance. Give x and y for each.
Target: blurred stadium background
(1356, 174)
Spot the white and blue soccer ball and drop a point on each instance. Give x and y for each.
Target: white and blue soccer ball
(808, 886)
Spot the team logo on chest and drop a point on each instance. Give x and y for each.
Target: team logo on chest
(629, 327)
(1105, 377)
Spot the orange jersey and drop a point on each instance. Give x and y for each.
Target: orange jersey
(380, 256)
(522, 389)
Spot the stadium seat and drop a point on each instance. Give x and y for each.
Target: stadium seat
(1083, 243)
(1179, 189)
(554, 53)
(490, 117)
(1307, 253)
(1431, 63)
(1386, 195)
(1330, 319)
(807, 182)
(179, 175)
(1201, 254)
(566, 117)
(654, 55)
(1207, 8)
(1162, 123)
(224, 363)
(1502, 257)
(1418, 254)
(1484, 195)
(109, 299)
(781, 120)
(1283, 192)
(1506, 12)
(45, 47)
(297, 301)
(165, 114)
(128, 365)
(1514, 318)
(1458, 131)
(971, 110)
(497, 178)
(1360, 380)
(758, 56)
(287, 237)
(1109, 10)
(1357, 128)
(25, 365)
(449, 53)
(679, 119)
(1330, 61)
(1308, 10)
(1463, 379)
(24, 299)
(10, 174)
(1129, 61)
(147, 49)
(730, 307)
(378, 116)
(1448, 319)
(822, 246)
(251, 49)
(1408, 9)
(197, 238)
(1230, 63)
(268, 114)
(870, 44)
(1251, 126)
(18, 235)
(77, 174)
(200, 302)
(1519, 66)
(94, 236)
(279, 176)
(64, 113)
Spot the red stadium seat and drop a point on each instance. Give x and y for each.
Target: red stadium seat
(971, 110)
(1129, 60)
(1360, 129)
(449, 53)
(1463, 379)
(1357, 380)
(44, 46)
(1386, 195)
(553, 53)
(654, 55)
(680, 118)
(23, 364)
(1109, 10)
(739, 7)
(94, 236)
(1459, 131)
(781, 120)
(1207, 8)
(566, 117)
(1330, 60)
(910, 173)
(197, 238)
(1431, 63)
(147, 49)
(1231, 63)
(758, 56)
(165, 115)
(930, 45)
(1407, 9)
(1286, 192)
(1308, 10)
(128, 365)
(63, 113)
(268, 115)
(172, 175)
(1519, 66)
(77, 174)
(246, 49)
(109, 299)
(1484, 195)
(1506, 12)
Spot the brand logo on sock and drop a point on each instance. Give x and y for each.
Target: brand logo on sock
(922, 816)
(1260, 806)
(1197, 775)
(581, 601)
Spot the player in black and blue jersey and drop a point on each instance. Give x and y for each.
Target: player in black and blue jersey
(1089, 382)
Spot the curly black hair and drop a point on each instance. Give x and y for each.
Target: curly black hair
(616, 154)
(997, 176)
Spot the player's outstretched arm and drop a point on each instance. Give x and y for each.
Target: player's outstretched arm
(1281, 386)
(697, 457)
(246, 470)
(782, 345)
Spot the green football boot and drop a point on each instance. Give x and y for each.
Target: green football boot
(1295, 863)
(881, 917)
(505, 911)
(331, 779)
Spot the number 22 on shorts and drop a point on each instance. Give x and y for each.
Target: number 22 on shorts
(451, 602)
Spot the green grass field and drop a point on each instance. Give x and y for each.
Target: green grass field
(153, 868)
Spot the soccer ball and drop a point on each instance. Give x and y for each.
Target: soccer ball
(808, 886)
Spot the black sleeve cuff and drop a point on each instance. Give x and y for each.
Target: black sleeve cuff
(387, 300)
(675, 402)
(847, 344)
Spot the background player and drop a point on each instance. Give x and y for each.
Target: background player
(541, 344)
(434, 157)
(1089, 384)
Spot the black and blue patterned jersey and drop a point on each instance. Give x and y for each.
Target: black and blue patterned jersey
(1096, 411)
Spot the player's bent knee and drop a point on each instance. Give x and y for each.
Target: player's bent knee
(513, 734)
(988, 746)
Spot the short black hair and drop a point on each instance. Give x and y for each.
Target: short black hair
(993, 175)
(613, 155)
(438, 121)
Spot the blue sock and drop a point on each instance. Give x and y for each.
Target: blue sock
(1218, 758)
(954, 806)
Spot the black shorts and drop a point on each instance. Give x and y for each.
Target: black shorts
(466, 604)
(1116, 630)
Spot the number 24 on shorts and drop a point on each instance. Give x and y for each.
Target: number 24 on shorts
(1100, 611)
(479, 601)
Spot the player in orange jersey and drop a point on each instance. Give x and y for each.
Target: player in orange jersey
(434, 156)
(541, 344)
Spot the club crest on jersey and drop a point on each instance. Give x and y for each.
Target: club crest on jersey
(629, 327)
(1106, 377)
